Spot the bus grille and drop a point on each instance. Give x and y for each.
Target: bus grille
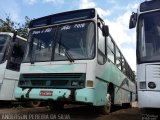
(52, 80)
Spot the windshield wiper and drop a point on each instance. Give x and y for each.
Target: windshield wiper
(67, 53)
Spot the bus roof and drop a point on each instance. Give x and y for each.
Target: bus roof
(63, 17)
(11, 34)
(149, 5)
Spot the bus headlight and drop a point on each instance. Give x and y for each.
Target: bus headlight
(24, 82)
(151, 85)
(74, 83)
(142, 85)
(77, 83)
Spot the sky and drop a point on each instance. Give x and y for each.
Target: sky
(115, 13)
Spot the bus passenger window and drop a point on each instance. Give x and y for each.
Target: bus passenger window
(118, 59)
(110, 49)
(101, 47)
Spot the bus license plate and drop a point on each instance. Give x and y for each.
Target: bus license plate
(46, 93)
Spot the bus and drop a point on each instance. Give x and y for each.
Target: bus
(11, 55)
(12, 52)
(72, 58)
(147, 23)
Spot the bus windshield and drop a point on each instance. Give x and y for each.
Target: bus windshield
(3, 43)
(148, 44)
(64, 42)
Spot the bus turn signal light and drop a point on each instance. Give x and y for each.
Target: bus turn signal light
(142, 85)
(89, 83)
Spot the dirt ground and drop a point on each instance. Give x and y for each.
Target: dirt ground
(70, 112)
(76, 112)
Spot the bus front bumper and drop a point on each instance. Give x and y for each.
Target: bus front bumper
(149, 99)
(85, 95)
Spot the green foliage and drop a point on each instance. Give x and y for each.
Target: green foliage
(8, 25)
(23, 30)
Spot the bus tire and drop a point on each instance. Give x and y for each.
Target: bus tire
(33, 104)
(106, 109)
(56, 106)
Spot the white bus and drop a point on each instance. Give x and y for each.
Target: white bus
(72, 58)
(147, 23)
(12, 52)
(11, 55)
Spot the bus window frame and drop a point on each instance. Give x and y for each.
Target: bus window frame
(108, 47)
(101, 53)
(57, 27)
(7, 49)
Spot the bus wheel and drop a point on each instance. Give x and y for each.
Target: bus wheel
(107, 108)
(56, 106)
(33, 104)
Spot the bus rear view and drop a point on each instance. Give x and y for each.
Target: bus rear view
(148, 53)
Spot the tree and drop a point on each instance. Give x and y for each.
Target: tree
(9, 25)
(23, 29)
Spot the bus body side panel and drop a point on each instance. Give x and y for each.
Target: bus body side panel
(10, 81)
(7, 90)
(123, 87)
(2, 70)
(147, 97)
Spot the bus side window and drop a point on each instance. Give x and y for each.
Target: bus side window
(110, 49)
(118, 59)
(101, 47)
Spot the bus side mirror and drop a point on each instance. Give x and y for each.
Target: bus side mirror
(105, 30)
(133, 20)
